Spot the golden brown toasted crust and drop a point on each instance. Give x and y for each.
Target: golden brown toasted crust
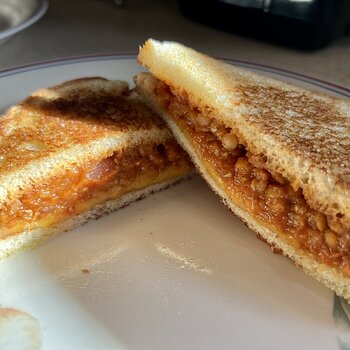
(305, 135)
(329, 276)
(74, 122)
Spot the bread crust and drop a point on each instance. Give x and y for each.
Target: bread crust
(304, 134)
(329, 276)
(30, 239)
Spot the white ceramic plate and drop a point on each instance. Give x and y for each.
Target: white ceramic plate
(173, 271)
(16, 15)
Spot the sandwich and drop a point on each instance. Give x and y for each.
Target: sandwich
(76, 151)
(277, 155)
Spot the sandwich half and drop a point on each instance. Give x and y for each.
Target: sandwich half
(277, 155)
(77, 151)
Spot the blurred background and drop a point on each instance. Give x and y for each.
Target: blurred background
(306, 36)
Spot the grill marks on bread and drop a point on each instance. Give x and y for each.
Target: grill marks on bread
(311, 125)
(57, 118)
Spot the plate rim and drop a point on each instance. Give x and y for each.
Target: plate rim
(324, 84)
(40, 10)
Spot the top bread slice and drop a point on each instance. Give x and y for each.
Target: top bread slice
(305, 135)
(70, 124)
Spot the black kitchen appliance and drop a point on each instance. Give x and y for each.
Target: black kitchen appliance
(306, 24)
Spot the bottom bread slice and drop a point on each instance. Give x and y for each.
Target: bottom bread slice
(32, 238)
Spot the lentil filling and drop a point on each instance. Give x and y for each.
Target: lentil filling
(250, 185)
(81, 187)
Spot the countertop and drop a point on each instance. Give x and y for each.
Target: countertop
(82, 27)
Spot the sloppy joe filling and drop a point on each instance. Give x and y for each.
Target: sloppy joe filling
(269, 197)
(81, 187)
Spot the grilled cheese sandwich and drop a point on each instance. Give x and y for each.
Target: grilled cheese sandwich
(277, 155)
(76, 151)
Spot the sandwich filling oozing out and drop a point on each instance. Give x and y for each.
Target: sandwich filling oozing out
(245, 177)
(82, 187)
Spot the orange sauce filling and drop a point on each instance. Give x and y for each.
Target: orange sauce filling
(268, 197)
(79, 188)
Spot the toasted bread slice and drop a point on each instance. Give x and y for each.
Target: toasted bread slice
(277, 155)
(304, 134)
(76, 151)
